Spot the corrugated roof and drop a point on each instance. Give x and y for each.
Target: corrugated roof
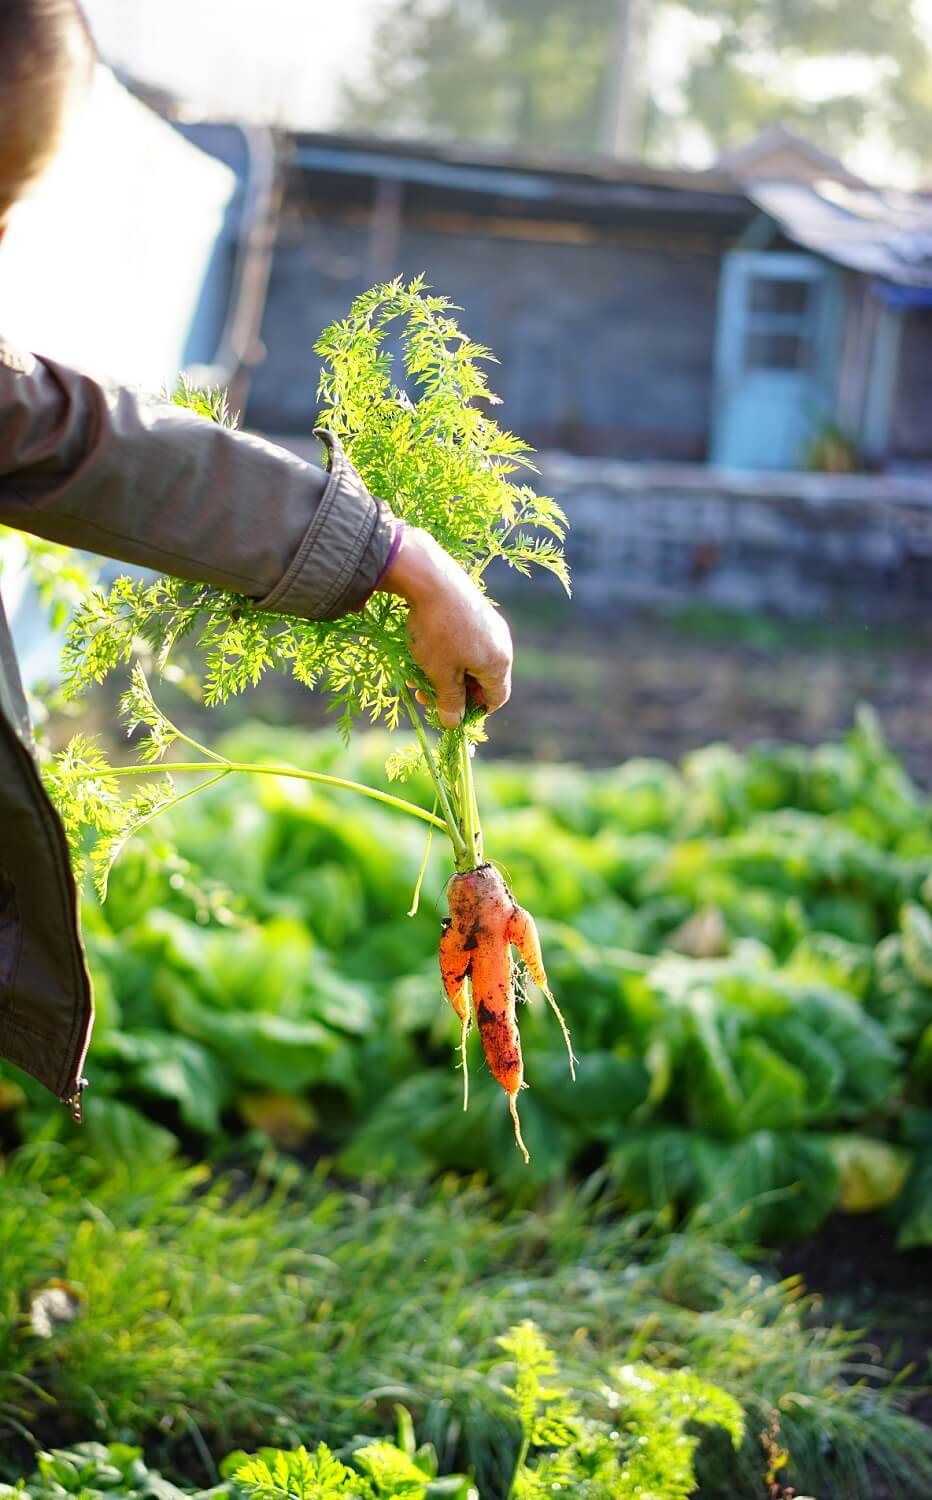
(883, 234)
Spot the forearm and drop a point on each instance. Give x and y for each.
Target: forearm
(99, 467)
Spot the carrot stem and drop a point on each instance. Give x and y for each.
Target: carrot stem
(415, 899)
(165, 807)
(460, 851)
(247, 768)
(468, 805)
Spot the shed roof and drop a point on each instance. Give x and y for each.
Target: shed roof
(814, 200)
(779, 152)
(583, 187)
(886, 234)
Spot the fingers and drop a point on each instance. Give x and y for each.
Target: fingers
(488, 688)
(450, 698)
(494, 683)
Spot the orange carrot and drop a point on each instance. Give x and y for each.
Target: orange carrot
(522, 932)
(476, 945)
(454, 966)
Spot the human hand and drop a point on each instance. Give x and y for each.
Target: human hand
(454, 632)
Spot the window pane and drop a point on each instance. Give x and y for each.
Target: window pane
(776, 351)
(772, 295)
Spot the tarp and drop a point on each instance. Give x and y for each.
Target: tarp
(120, 264)
(886, 235)
(112, 263)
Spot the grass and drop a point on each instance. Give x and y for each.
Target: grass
(214, 1315)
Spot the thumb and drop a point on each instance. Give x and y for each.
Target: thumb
(450, 700)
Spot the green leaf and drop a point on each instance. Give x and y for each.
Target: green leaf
(871, 1173)
(776, 1094)
(261, 1048)
(915, 1205)
(916, 929)
(117, 1132)
(174, 1067)
(392, 1472)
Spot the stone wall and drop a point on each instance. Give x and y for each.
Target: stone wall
(803, 545)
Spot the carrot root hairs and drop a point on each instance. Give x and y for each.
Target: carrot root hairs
(513, 1107)
(464, 1038)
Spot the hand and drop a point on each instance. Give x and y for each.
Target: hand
(454, 631)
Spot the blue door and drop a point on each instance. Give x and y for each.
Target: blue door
(777, 358)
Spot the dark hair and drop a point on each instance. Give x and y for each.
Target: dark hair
(45, 51)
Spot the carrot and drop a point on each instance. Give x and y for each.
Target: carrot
(476, 943)
(454, 966)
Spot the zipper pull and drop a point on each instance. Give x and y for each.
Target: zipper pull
(75, 1100)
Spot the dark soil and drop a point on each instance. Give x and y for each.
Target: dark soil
(600, 691)
(865, 1282)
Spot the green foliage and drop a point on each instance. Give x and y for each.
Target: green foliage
(381, 1471)
(91, 1471)
(488, 71)
(751, 1091)
(426, 440)
(90, 799)
(494, 71)
(212, 404)
(543, 1410)
(194, 1313)
(428, 444)
(644, 1449)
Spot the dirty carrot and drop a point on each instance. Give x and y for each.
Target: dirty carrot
(475, 946)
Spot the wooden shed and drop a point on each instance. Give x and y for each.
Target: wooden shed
(636, 312)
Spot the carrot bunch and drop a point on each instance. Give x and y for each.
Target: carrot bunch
(484, 924)
(418, 427)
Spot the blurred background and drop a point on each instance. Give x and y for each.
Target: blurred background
(697, 238)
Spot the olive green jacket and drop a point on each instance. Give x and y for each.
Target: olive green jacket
(113, 471)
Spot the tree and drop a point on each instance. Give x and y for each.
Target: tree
(493, 72)
(537, 73)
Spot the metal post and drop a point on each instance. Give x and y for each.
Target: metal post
(385, 229)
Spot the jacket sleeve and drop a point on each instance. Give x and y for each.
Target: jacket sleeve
(104, 468)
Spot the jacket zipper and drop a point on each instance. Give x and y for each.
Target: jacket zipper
(75, 1100)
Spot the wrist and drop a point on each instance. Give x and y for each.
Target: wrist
(414, 570)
